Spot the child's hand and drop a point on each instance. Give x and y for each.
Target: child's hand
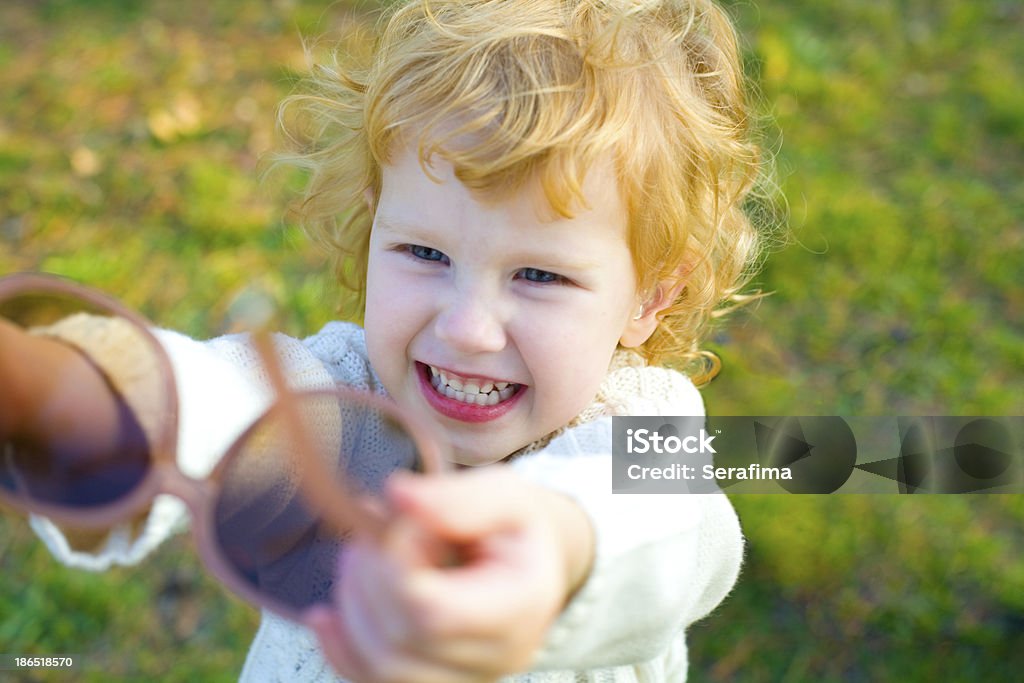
(406, 612)
(62, 414)
(53, 399)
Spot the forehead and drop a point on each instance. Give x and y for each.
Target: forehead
(415, 193)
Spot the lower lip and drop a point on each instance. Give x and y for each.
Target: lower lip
(457, 410)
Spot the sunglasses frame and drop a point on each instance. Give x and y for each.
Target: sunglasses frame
(342, 508)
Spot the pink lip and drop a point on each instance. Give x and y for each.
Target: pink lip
(457, 410)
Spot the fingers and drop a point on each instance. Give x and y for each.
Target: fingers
(500, 524)
(397, 600)
(403, 612)
(353, 643)
(463, 506)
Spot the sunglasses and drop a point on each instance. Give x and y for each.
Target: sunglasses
(271, 517)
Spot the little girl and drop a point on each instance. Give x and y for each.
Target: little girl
(534, 206)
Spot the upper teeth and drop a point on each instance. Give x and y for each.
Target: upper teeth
(478, 392)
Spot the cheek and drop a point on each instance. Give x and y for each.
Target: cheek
(396, 311)
(384, 287)
(591, 326)
(383, 318)
(568, 354)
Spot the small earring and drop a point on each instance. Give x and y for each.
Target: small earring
(640, 314)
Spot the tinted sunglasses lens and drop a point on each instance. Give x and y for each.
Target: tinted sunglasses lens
(277, 543)
(71, 470)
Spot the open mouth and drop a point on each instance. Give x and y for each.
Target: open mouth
(473, 391)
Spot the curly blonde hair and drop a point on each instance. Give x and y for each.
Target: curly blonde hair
(546, 88)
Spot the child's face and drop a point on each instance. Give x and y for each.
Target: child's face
(494, 292)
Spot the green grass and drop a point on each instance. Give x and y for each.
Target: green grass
(129, 139)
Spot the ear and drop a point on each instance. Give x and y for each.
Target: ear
(370, 198)
(640, 328)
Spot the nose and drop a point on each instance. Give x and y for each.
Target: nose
(470, 322)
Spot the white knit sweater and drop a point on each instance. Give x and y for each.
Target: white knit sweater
(662, 561)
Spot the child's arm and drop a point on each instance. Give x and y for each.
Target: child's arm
(405, 613)
(660, 562)
(221, 392)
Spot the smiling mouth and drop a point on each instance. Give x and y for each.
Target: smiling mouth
(469, 390)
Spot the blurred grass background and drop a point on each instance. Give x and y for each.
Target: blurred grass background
(130, 133)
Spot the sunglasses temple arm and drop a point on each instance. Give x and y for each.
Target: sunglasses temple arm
(342, 509)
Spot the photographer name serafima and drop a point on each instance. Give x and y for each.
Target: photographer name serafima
(722, 475)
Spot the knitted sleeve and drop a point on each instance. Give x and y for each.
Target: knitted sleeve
(661, 561)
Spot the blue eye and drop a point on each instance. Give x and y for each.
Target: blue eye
(427, 253)
(540, 276)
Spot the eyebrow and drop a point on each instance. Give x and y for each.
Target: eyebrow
(399, 225)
